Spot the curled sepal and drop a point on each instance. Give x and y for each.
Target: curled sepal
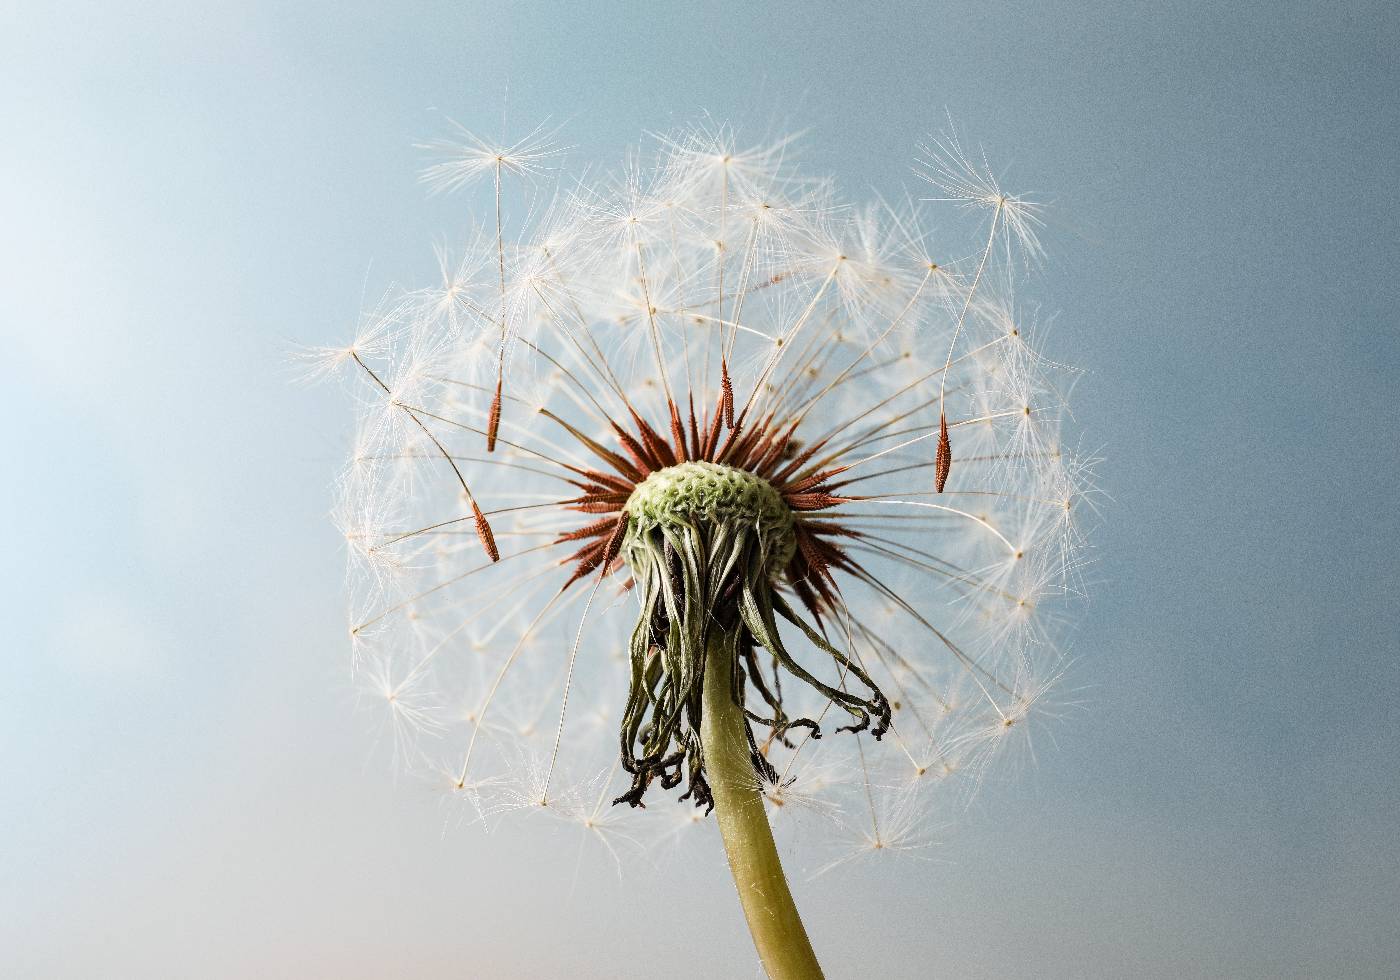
(707, 587)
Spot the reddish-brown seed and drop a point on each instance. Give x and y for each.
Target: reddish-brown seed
(586, 557)
(594, 507)
(736, 446)
(598, 554)
(656, 446)
(606, 480)
(678, 435)
(813, 583)
(727, 389)
(597, 528)
(832, 529)
(712, 436)
(816, 479)
(778, 446)
(694, 431)
(609, 501)
(812, 501)
(807, 545)
(800, 460)
(614, 545)
(645, 462)
(943, 459)
(483, 531)
(618, 463)
(494, 423)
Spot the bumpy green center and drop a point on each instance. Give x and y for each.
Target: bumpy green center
(713, 495)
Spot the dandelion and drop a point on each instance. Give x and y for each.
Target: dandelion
(710, 486)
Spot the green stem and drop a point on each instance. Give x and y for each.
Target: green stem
(777, 930)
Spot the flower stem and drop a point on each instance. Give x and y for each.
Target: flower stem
(777, 929)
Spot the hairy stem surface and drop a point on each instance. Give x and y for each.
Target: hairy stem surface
(777, 930)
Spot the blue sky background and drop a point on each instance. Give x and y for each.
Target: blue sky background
(186, 190)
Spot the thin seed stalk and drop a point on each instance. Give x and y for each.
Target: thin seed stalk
(777, 930)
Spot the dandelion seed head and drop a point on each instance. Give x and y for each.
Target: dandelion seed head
(703, 395)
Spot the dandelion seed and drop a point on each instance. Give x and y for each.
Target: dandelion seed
(970, 182)
(466, 157)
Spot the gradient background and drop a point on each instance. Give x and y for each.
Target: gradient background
(188, 189)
